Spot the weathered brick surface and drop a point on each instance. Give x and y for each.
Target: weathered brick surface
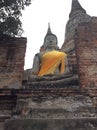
(86, 50)
(12, 53)
(1, 126)
(81, 46)
(69, 48)
(52, 124)
(77, 15)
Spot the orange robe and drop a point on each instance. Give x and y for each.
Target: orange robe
(50, 62)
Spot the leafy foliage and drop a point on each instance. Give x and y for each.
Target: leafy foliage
(10, 12)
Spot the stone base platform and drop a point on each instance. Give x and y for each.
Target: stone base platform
(52, 124)
(68, 113)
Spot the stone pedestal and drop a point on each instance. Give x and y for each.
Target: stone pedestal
(50, 113)
(52, 124)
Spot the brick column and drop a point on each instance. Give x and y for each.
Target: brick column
(86, 51)
(12, 54)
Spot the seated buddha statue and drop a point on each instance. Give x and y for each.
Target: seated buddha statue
(50, 66)
(50, 60)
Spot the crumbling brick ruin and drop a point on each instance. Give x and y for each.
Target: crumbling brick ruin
(12, 54)
(56, 102)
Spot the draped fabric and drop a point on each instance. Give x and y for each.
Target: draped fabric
(50, 61)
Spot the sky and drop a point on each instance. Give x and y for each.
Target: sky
(35, 21)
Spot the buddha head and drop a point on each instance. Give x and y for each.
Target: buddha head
(50, 40)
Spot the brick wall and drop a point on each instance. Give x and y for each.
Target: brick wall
(69, 48)
(12, 53)
(86, 50)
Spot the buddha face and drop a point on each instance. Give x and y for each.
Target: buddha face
(50, 41)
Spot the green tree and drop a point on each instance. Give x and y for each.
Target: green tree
(10, 13)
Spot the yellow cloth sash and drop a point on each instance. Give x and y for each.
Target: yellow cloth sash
(50, 62)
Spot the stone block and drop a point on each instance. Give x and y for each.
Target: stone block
(52, 124)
